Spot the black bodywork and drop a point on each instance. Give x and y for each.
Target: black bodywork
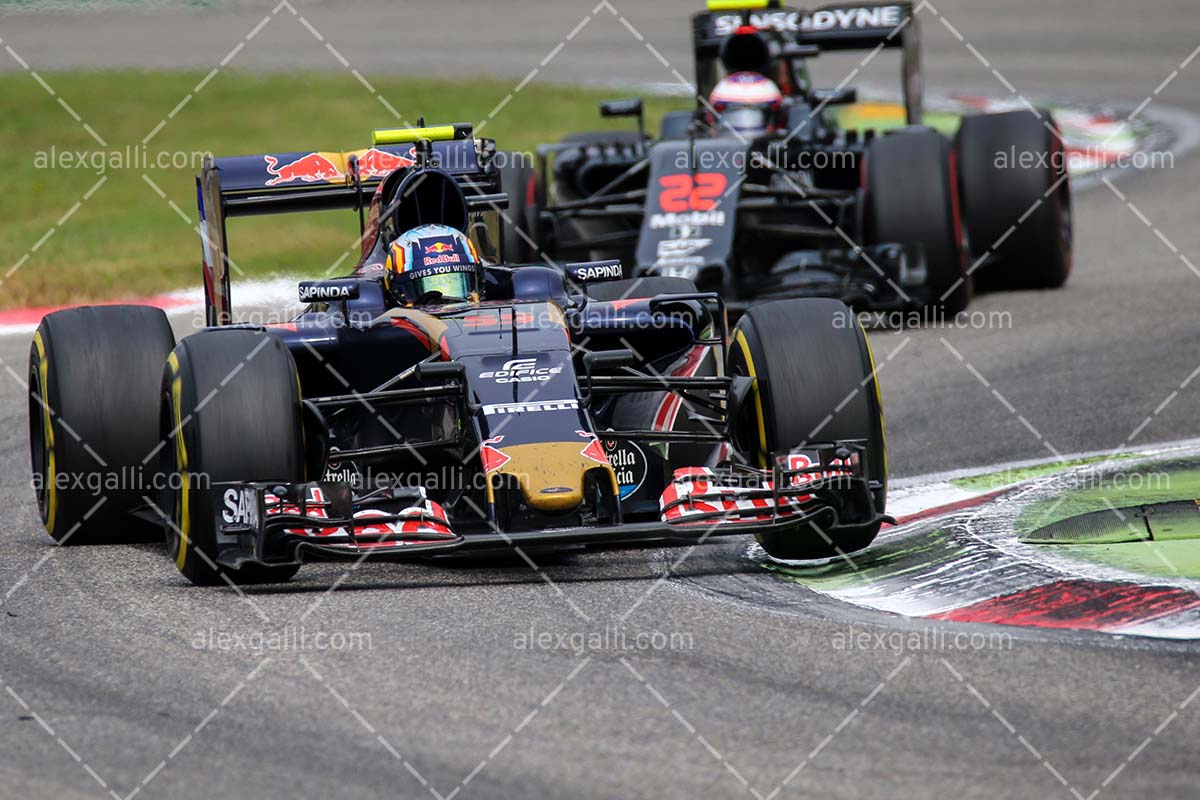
(534, 416)
(779, 216)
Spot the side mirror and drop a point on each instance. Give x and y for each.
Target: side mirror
(795, 52)
(629, 107)
(604, 360)
(451, 370)
(834, 97)
(610, 359)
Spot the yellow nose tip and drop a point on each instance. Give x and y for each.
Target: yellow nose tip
(551, 474)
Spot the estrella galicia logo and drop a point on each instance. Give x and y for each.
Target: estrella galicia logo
(629, 463)
(346, 472)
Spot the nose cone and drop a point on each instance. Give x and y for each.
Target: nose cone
(551, 474)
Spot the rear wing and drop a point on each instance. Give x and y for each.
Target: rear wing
(280, 183)
(834, 27)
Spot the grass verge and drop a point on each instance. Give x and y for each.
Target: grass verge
(126, 240)
(1173, 553)
(995, 480)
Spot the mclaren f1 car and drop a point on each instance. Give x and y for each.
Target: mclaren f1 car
(436, 402)
(758, 194)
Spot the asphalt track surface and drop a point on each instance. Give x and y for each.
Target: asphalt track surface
(105, 688)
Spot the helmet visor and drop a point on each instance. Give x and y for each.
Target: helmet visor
(745, 119)
(449, 285)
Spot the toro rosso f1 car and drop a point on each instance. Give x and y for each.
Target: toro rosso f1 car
(759, 195)
(436, 402)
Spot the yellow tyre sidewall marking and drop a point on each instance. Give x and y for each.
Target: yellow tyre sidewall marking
(739, 339)
(181, 462)
(43, 375)
(878, 395)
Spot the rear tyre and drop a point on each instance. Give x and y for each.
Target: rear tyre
(1031, 194)
(519, 181)
(231, 412)
(912, 196)
(93, 419)
(638, 288)
(815, 383)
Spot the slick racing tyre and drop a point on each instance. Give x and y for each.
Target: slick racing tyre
(912, 196)
(1014, 178)
(231, 412)
(518, 224)
(93, 419)
(815, 382)
(639, 287)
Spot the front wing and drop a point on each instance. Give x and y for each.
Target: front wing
(819, 490)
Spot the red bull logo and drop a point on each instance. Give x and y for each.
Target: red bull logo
(493, 458)
(376, 163)
(312, 168)
(453, 258)
(439, 247)
(593, 450)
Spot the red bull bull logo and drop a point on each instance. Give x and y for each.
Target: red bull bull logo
(493, 458)
(439, 247)
(376, 163)
(312, 168)
(593, 450)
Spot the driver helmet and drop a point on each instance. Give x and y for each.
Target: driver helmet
(432, 264)
(747, 104)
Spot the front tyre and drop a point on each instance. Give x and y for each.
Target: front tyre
(231, 412)
(93, 419)
(815, 382)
